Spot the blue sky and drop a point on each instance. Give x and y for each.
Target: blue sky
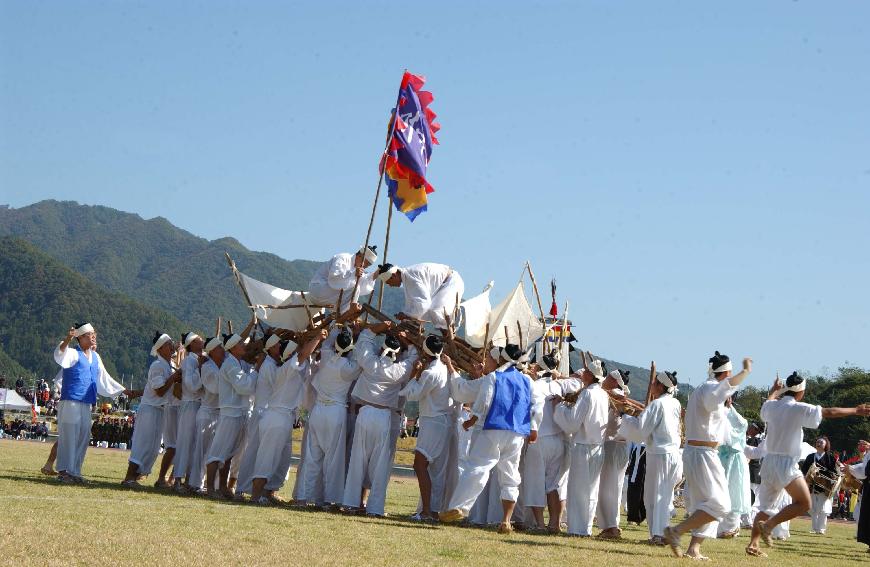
(695, 175)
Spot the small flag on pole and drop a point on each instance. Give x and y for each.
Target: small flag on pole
(412, 135)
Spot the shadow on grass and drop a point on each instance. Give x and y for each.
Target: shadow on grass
(97, 484)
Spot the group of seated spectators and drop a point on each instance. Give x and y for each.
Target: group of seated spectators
(113, 431)
(21, 429)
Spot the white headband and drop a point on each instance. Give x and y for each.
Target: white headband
(348, 348)
(429, 352)
(665, 381)
(212, 344)
(391, 352)
(596, 369)
(288, 350)
(384, 276)
(369, 254)
(190, 338)
(83, 330)
(796, 388)
(162, 340)
(232, 341)
(271, 341)
(617, 375)
(724, 368)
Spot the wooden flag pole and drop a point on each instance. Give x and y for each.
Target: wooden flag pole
(381, 174)
(537, 295)
(386, 249)
(652, 377)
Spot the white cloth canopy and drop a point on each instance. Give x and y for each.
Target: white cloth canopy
(514, 310)
(262, 294)
(10, 400)
(476, 314)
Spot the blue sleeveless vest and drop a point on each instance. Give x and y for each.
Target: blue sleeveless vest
(80, 380)
(511, 403)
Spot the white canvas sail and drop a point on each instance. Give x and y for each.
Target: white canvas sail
(263, 294)
(476, 312)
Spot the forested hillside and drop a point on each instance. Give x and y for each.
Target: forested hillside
(40, 299)
(150, 260)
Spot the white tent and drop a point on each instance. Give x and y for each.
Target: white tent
(263, 295)
(514, 317)
(10, 400)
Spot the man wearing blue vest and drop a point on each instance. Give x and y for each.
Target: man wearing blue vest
(512, 411)
(84, 376)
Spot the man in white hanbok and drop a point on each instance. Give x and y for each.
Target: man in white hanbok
(377, 395)
(208, 413)
(658, 427)
(615, 461)
(707, 498)
(148, 430)
(235, 387)
(511, 411)
(266, 377)
(276, 424)
(191, 396)
(339, 276)
(324, 470)
(84, 377)
(785, 416)
(432, 291)
(430, 387)
(585, 421)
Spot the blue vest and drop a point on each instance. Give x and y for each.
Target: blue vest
(511, 403)
(80, 380)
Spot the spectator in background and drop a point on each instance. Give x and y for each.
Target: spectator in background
(821, 505)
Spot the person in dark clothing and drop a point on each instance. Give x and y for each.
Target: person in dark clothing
(821, 501)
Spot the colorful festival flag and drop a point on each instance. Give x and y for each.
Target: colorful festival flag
(410, 147)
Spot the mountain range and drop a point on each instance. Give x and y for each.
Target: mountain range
(61, 261)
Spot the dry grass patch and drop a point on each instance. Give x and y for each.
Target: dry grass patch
(45, 523)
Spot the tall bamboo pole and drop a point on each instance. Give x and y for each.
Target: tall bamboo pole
(381, 177)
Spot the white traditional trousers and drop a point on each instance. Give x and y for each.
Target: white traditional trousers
(274, 447)
(299, 482)
(706, 487)
(369, 459)
(612, 480)
(147, 433)
(249, 454)
(73, 435)
(324, 463)
(491, 449)
(186, 439)
(433, 442)
(206, 423)
(170, 426)
(228, 438)
(584, 477)
(663, 472)
(820, 507)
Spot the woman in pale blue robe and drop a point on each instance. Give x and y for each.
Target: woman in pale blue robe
(736, 472)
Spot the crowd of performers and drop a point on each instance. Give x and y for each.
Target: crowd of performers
(512, 431)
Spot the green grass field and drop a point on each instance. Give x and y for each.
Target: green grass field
(44, 523)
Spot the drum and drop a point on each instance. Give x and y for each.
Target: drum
(823, 480)
(850, 482)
